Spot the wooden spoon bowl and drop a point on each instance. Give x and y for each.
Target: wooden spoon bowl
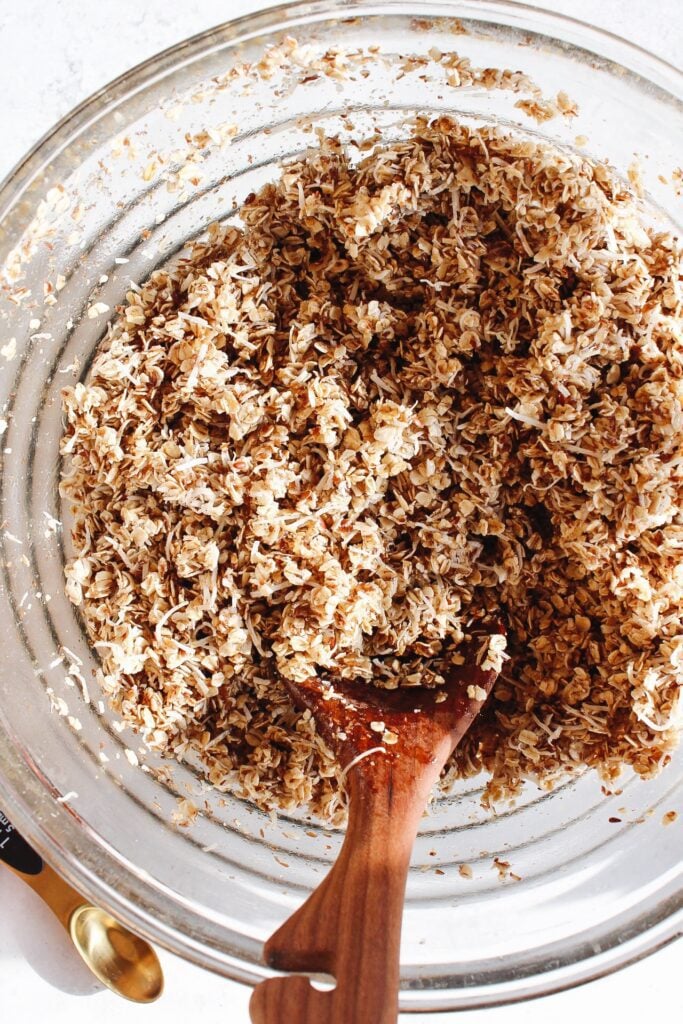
(393, 745)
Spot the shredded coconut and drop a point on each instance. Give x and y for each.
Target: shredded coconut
(439, 385)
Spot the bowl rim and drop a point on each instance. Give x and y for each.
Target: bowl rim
(141, 74)
(579, 35)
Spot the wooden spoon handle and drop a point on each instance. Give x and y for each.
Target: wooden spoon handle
(350, 926)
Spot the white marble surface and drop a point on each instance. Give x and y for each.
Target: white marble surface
(53, 53)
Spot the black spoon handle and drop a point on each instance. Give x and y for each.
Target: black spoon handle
(15, 851)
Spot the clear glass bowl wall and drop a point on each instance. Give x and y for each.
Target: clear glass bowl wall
(594, 893)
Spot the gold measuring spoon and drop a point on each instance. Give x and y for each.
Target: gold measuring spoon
(122, 961)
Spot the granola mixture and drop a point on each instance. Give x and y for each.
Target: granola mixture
(435, 385)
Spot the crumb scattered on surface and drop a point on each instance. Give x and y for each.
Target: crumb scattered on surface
(670, 817)
(67, 797)
(502, 867)
(542, 109)
(185, 813)
(635, 176)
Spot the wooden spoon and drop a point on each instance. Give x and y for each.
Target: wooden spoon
(393, 744)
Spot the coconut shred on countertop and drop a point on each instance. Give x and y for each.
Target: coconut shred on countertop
(405, 394)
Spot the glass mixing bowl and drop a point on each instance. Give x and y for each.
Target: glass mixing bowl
(113, 192)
